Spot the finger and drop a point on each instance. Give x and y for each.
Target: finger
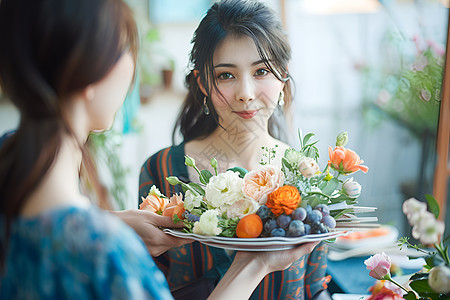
(163, 221)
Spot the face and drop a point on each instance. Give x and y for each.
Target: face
(109, 93)
(250, 91)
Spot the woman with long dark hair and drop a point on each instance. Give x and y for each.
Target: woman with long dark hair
(67, 66)
(239, 90)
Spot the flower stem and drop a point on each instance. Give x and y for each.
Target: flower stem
(393, 281)
(321, 194)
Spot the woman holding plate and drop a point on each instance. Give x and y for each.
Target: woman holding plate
(239, 88)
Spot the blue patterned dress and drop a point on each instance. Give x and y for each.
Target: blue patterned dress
(78, 253)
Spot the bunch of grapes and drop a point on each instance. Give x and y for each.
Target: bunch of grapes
(302, 221)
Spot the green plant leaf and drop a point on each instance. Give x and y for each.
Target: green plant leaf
(433, 206)
(418, 276)
(306, 138)
(331, 186)
(409, 296)
(421, 285)
(206, 174)
(240, 170)
(197, 188)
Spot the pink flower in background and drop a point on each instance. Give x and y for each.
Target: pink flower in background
(420, 63)
(379, 266)
(385, 290)
(438, 49)
(258, 184)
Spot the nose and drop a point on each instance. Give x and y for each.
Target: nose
(245, 90)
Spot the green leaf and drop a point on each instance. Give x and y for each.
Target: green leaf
(206, 174)
(306, 138)
(430, 261)
(418, 276)
(341, 213)
(421, 285)
(409, 296)
(176, 219)
(433, 206)
(197, 188)
(240, 170)
(331, 186)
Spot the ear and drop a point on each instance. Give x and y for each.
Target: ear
(199, 82)
(88, 93)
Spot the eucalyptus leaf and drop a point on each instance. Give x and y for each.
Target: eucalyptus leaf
(331, 186)
(421, 285)
(306, 138)
(410, 296)
(206, 174)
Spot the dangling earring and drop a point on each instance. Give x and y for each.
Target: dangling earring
(205, 107)
(281, 99)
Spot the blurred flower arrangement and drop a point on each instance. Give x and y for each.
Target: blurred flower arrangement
(433, 281)
(293, 200)
(412, 95)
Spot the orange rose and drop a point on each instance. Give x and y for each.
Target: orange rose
(175, 206)
(345, 161)
(284, 199)
(153, 203)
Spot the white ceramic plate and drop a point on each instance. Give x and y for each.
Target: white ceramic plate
(256, 244)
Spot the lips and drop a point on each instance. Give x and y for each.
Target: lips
(246, 114)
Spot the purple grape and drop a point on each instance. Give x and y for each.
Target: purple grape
(307, 228)
(296, 228)
(263, 212)
(299, 214)
(283, 221)
(308, 209)
(329, 221)
(278, 232)
(318, 228)
(314, 216)
(269, 225)
(323, 208)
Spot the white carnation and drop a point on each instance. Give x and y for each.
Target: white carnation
(224, 189)
(208, 223)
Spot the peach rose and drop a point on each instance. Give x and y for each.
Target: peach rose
(175, 206)
(154, 203)
(345, 160)
(259, 183)
(284, 200)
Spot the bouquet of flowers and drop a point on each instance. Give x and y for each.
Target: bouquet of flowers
(433, 281)
(295, 199)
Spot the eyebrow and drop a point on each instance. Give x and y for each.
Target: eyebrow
(227, 65)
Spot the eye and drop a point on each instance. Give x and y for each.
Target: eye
(225, 76)
(261, 72)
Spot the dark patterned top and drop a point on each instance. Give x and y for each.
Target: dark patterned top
(78, 253)
(302, 280)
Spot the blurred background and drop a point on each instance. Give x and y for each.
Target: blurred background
(371, 68)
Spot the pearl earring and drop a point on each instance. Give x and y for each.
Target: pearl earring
(205, 107)
(281, 99)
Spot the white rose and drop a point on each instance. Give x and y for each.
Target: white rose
(352, 188)
(439, 279)
(428, 230)
(191, 201)
(208, 223)
(242, 208)
(308, 167)
(413, 209)
(224, 189)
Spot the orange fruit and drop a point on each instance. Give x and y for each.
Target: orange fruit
(249, 226)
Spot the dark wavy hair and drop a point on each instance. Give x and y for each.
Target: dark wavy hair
(238, 18)
(50, 50)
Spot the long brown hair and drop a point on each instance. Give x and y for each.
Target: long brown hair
(50, 50)
(238, 18)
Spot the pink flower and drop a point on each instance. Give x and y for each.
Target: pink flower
(258, 184)
(379, 266)
(175, 206)
(385, 290)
